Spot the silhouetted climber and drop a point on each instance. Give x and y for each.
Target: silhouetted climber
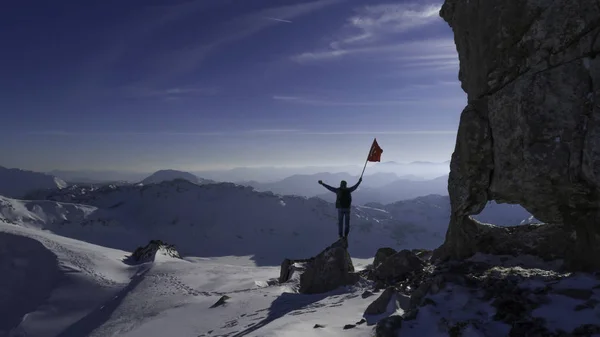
(343, 203)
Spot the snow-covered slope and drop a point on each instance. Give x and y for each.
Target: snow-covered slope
(204, 220)
(167, 175)
(50, 282)
(55, 286)
(16, 183)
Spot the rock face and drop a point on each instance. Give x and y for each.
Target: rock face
(549, 242)
(148, 252)
(327, 271)
(530, 134)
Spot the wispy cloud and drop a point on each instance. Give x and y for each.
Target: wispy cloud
(279, 20)
(117, 133)
(286, 98)
(332, 102)
(63, 133)
(187, 53)
(427, 50)
(258, 132)
(175, 93)
(375, 22)
(400, 101)
(375, 29)
(398, 132)
(190, 56)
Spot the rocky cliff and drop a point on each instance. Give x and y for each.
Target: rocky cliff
(530, 133)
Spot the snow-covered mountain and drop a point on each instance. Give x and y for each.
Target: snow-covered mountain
(99, 176)
(306, 184)
(167, 175)
(226, 219)
(381, 187)
(16, 183)
(205, 220)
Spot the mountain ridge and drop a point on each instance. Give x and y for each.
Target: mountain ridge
(17, 183)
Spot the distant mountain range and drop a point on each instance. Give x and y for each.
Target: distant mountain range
(422, 169)
(377, 186)
(400, 189)
(16, 183)
(307, 184)
(167, 175)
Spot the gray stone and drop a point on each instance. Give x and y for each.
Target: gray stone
(331, 269)
(220, 302)
(382, 254)
(530, 134)
(398, 266)
(379, 306)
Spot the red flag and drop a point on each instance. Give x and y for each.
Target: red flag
(375, 152)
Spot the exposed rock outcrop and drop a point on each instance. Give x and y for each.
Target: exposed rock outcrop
(512, 296)
(379, 306)
(330, 269)
(549, 242)
(149, 252)
(397, 266)
(530, 133)
(382, 254)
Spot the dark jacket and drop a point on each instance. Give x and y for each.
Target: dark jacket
(344, 196)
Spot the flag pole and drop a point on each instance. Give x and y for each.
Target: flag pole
(366, 161)
(363, 171)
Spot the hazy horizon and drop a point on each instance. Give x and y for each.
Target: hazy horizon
(209, 84)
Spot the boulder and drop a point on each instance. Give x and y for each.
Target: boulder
(379, 306)
(330, 269)
(530, 134)
(382, 254)
(397, 267)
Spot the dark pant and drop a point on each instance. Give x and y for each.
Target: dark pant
(343, 219)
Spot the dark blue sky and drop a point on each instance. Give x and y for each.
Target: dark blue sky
(149, 84)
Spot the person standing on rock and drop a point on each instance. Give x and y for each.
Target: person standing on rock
(343, 203)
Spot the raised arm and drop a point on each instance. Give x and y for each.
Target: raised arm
(332, 189)
(355, 186)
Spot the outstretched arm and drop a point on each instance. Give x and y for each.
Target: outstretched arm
(355, 186)
(332, 189)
